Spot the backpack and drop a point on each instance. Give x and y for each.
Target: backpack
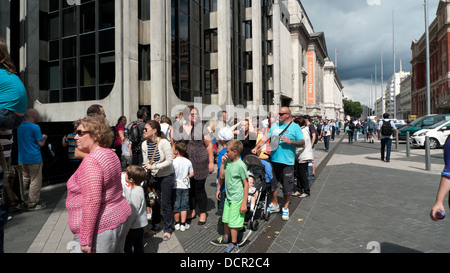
(351, 126)
(386, 128)
(371, 126)
(134, 134)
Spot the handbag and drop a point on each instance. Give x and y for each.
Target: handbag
(275, 140)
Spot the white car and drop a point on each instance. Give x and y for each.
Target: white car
(437, 134)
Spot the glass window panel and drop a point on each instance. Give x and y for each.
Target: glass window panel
(107, 71)
(106, 17)
(69, 21)
(69, 95)
(106, 40)
(53, 27)
(87, 18)
(87, 44)
(69, 47)
(184, 27)
(53, 5)
(53, 96)
(105, 90)
(144, 10)
(69, 73)
(184, 6)
(87, 71)
(53, 74)
(87, 93)
(53, 51)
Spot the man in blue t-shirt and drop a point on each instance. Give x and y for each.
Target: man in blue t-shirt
(30, 140)
(283, 157)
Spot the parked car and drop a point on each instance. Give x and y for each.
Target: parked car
(421, 123)
(437, 134)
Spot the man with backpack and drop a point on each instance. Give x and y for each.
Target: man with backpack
(135, 136)
(386, 128)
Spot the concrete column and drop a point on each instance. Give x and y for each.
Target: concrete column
(257, 53)
(224, 54)
(276, 10)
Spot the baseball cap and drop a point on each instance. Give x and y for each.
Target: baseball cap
(225, 134)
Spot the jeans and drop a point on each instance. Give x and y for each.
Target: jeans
(356, 133)
(350, 136)
(9, 120)
(163, 187)
(326, 141)
(386, 143)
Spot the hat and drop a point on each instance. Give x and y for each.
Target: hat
(265, 123)
(225, 134)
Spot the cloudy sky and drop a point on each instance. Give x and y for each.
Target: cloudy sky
(361, 31)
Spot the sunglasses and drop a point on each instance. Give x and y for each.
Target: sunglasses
(282, 114)
(81, 133)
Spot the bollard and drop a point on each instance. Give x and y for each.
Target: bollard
(396, 140)
(408, 151)
(427, 153)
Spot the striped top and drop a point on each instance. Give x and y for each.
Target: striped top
(71, 145)
(94, 196)
(150, 150)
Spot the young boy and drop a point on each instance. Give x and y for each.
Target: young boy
(138, 220)
(183, 172)
(233, 172)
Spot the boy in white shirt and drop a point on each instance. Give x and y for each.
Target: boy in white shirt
(183, 173)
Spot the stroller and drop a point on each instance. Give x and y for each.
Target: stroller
(256, 169)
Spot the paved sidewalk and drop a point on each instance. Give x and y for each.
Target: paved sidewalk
(360, 204)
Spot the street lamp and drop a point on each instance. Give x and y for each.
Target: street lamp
(427, 55)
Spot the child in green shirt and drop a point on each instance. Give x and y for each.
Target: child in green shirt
(233, 172)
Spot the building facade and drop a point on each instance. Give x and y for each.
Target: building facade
(392, 90)
(439, 38)
(168, 54)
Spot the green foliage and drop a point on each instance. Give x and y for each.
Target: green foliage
(353, 108)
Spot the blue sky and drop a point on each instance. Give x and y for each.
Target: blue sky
(361, 31)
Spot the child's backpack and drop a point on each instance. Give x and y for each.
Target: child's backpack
(386, 128)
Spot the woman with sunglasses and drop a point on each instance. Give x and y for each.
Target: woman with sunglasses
(158, 158)
(98, 212)
(200, 152)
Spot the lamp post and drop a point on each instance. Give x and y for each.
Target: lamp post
(427, 55)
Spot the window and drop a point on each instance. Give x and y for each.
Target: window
(144, 62)
(144, 10)
(81, 51)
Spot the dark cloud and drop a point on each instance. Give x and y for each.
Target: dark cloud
(361, 30)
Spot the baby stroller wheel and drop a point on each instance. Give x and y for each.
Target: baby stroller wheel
(266, 216)
(253, 225)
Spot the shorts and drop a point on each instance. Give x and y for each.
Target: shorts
(285, 175)
(232, 214)
(181, 202)
(9, 120)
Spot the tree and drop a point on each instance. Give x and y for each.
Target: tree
(352, 108)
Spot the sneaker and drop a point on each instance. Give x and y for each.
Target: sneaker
(273, 209)
(232, 248)
(285, 215)
(297, 193)
(304, 195)
(177, 226)
(184, 227)
(221, 241)
(243, 235)
(37, 207)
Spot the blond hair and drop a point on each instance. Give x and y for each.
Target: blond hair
(235, 145)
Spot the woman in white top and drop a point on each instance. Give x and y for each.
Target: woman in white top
(166, 128)
(158, 158)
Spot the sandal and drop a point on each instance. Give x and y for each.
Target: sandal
(166, 236)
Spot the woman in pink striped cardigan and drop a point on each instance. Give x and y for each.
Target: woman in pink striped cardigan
(98, 212)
